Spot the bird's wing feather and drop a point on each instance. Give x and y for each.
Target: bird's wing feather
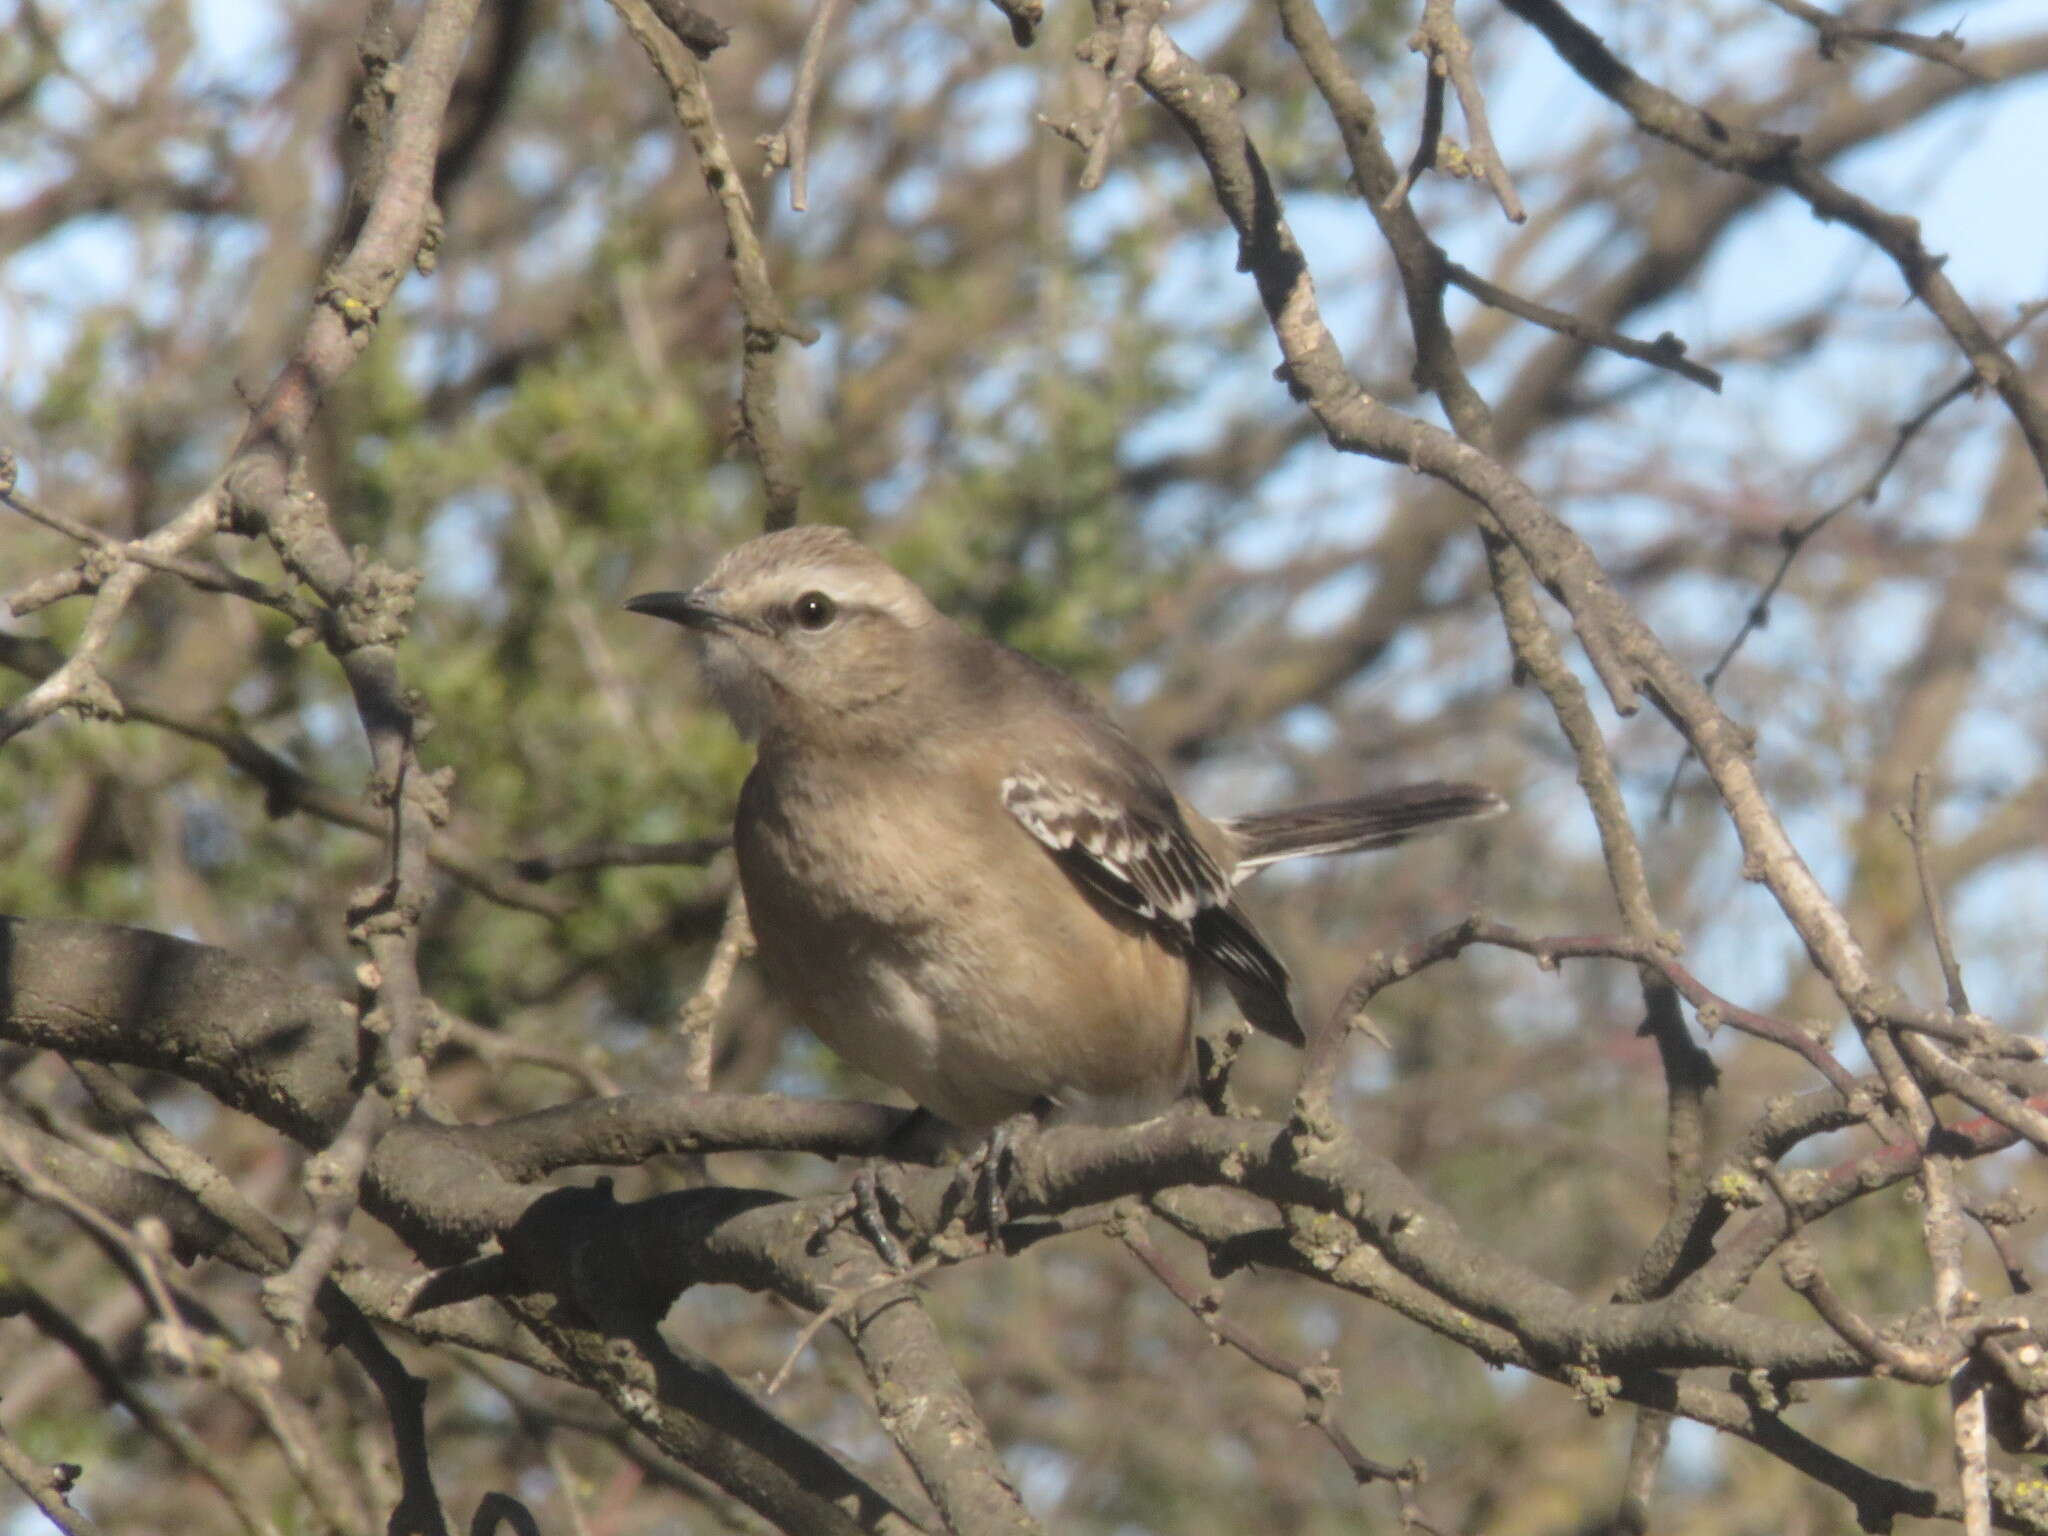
(1146, 862)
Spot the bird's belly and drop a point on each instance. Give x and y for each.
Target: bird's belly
(955, 1003)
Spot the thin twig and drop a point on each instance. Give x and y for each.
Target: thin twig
(118, 1386)
(1941, 1225)
(1773, 159)
(77, 683)
(1794, 537)
(1712, 1009)
(1448, 40)
(88, 575)
(134, 1253)
(1667, 351)
(48, 1488)
(287, 789)
(1443, 43)
(495, 1047)
(1997, 1218)
(384, 920)
(697, 1021)
(572, 602)
(1128, 38)
(1319, 1384)
(764, 321)
(1969, 1424)
(1432, 131)
(1801, 1268)
(790, 145)
(252, 1377)
(1980, 1093)
(404, 1394)
(548, 1417)
(1917, 822)
(1942, 48)
(843, 1304)
(1925, 1367)
(1689, 1072)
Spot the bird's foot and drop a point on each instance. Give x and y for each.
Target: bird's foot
(867, 1204)
(984, 1173)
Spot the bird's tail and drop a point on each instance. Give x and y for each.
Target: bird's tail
(1377, 820)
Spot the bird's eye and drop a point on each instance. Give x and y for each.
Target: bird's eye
(814, 610)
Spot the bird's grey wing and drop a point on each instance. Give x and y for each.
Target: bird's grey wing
(1142, 859)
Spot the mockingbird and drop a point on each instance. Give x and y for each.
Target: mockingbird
(963, 877)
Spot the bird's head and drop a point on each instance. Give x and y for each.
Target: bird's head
(805, 624)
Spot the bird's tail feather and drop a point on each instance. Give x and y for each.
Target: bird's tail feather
(1376, 820)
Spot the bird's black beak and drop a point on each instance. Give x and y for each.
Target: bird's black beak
(695, 609)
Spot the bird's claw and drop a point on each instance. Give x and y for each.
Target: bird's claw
(863, 1203)
(985, 1172)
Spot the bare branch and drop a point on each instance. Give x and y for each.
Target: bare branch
(1775, 159)
(404, 1394)
(1714, 1010)
(56, 1322)
(1431, 136)
(1319, 1384)
(138, 1254)
(1443, 44)
(764, 322)
(369, 603)
(1119, 46)
(1803, 1274)
(78, 684)
(90, 574)
(699, 1016)
(1666, 352)
(48, 1488)
(1942, 48)
(790, 145)
(1919, 831)
(842, 1304)
(1794, 537)
(286, 789)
